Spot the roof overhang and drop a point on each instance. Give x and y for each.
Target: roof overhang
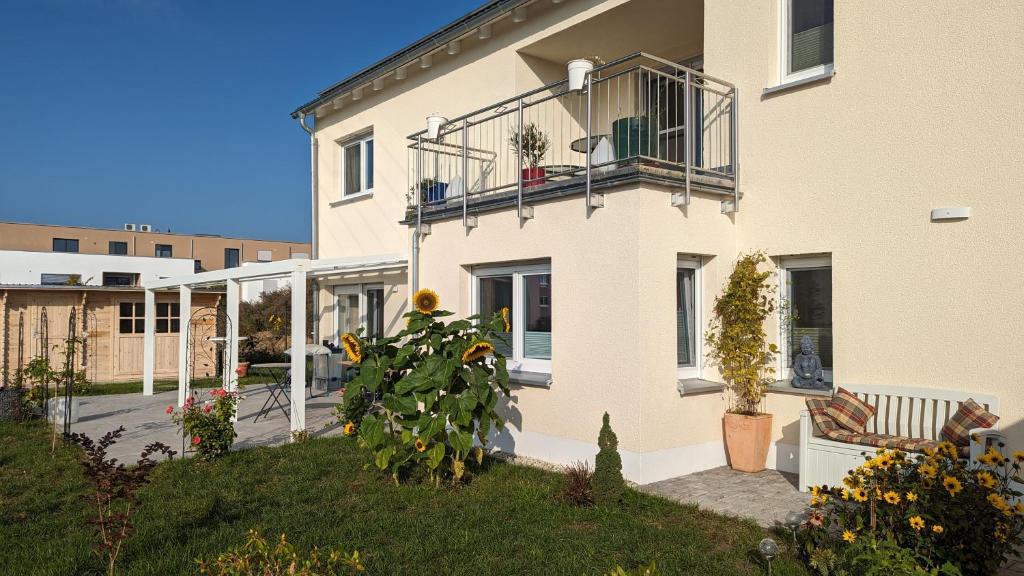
(321, 268)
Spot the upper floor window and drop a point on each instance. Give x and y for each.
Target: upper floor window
(65, 245)
(163, 251)
(197, 266)
(264, 255)
(231, 257)
(118, 248)
(526, 291)
(806, 38)
(120, 279)
(357, 166)
(60, 279)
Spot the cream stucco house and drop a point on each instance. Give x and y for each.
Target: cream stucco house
(869, 148)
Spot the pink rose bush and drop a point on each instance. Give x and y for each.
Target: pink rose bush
(209, 424)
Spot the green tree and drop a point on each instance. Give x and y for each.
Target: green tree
(608, 482)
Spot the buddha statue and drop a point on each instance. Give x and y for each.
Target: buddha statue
(807, 371)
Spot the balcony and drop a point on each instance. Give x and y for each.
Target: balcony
(639, 118)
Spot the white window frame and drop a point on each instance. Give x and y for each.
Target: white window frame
(785, 353)
(695, 263)
(348, 290)
(364, 170)
(785, 27)
(516, 362)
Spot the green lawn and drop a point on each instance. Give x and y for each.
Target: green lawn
(135, 387)
(504, 522)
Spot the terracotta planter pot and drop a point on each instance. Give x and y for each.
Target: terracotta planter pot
(746, 440)
(533, 177)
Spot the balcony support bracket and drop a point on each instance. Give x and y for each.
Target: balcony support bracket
(680, 199)
(526, 213)
(424, 229)
(471, 222)
(596, 201)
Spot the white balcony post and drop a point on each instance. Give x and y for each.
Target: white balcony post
(149, 343)
(298, 360)
(184, 332)
(230, 376)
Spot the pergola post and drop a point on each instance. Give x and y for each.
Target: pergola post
(234, 288)
(184, 332)
(149, 343)
(298, 360)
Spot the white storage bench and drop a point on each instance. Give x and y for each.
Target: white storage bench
(918, 413)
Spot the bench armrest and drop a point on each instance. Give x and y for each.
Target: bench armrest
(985, 437)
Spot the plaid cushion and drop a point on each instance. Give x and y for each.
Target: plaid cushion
(849, 411)
(822, 421)
(969, 415)
(882, 440)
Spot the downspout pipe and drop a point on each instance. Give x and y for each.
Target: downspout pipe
(314, 244)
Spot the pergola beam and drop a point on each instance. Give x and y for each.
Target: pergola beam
(184, 331)
(298, 359)
(149, 343)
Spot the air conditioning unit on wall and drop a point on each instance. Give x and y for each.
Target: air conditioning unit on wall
(129, 227)
(145, 228)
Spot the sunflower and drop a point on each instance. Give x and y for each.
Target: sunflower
(1018, 455)
(927, 470)
(999, 503)
(420, 446)
(351, 345)
(911, 497)
(849, 536)
(938, 529)
(846, 493)
(477, 350)
(504, 318)
(916, 522)
(986, 479)
(948, 448)
(860, 494)
(425, 300)
(952, 485)
(1018, 508)
(892, 497)
(350, 428)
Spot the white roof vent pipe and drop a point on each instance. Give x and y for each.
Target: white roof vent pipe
(578, 70)
(434, 123)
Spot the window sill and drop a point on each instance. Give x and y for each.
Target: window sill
(351, 199)
(793, 84)
(531, 379)
(691, 386)
(785, 387)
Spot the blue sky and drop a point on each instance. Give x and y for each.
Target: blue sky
(176, 113)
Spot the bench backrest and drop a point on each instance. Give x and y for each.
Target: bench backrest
(916, 412)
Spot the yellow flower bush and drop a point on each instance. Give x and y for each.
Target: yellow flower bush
(350, 343)
(939, 510)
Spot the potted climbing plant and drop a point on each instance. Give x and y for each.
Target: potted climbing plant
(737, 343)
(533, 144)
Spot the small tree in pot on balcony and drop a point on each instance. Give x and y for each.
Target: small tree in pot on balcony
(533, 144)
(737, 344)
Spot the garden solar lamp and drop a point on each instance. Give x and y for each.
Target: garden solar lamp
(793, 521)
(769, 549)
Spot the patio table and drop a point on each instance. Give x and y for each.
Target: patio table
(278, 371)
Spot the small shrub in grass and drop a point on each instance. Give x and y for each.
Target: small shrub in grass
(439, 384)
(650, 570)
(577, 489)
(607, 481)
(934, 513)
(257, 557)
(114, 488)
(355, 403)
(208, 426)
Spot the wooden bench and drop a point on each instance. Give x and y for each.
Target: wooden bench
(899, 411)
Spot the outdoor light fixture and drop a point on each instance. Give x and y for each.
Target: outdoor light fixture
(434, 123)
(484, 32)
(378, 84)
(793, 521)
(426, 61)
(519, 14)
(357, 93)
(454, 47)
(953, 213)
(401, 73)
(769, 549)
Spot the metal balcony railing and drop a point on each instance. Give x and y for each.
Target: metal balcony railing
(636, 114)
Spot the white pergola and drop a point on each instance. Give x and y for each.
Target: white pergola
(298, 270)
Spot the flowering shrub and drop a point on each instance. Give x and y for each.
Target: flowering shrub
(257, 557)
(208, 426)
(438, 384)
(948, 515)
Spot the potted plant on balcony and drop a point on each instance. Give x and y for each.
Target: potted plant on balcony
(432, 191)
(533, 144)
(737, 344)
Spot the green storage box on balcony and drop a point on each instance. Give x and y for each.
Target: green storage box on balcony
(632, 137)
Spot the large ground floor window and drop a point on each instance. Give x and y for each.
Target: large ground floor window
(688, 316)
(806, 283)
(359, 306)
(526, 291)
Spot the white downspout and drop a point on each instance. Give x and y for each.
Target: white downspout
(314, 248)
